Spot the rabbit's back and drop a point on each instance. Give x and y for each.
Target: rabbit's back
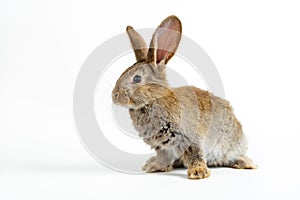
(220, 133)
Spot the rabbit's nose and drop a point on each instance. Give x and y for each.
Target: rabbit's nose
(115, 95)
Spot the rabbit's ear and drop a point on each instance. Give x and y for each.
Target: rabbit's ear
(165, 40)
(138, 44)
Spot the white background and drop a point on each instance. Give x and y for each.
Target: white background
(255, 46)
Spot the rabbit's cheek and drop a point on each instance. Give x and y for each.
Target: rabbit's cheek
(124, 99)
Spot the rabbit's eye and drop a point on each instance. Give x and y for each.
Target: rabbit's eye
(137, 79)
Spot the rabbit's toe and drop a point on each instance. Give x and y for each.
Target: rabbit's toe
(198, 171)
(153, 166)
(244, 163)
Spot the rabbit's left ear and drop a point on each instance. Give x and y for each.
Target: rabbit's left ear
(165, 41)
(139, 46)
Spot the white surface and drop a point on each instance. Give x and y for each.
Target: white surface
(255, 46)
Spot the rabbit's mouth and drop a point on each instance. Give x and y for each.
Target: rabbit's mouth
(122, 99)
(125, 99)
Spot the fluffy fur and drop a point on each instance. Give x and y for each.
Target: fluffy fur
(186, 126)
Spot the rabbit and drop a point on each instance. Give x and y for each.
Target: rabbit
(186, 126)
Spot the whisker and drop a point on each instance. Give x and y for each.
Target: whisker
(108, 109)
(107, 92)
(110, 85)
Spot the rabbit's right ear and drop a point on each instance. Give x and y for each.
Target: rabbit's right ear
(138, 44)
(165, 41)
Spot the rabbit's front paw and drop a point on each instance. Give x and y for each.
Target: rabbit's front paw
(198, 170)
(153, 165)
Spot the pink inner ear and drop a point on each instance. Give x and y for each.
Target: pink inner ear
(168, 36)
(160, 55)
(167, 43)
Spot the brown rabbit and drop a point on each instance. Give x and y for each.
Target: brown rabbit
(186, 126)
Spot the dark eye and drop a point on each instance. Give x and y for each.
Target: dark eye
(137, 79)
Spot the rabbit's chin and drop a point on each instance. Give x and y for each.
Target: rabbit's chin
(126, 105)
(130, 105)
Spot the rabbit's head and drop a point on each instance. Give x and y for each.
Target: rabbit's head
(146, 80)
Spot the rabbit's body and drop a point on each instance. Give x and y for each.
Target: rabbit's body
(186, 126)
(218, 134)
